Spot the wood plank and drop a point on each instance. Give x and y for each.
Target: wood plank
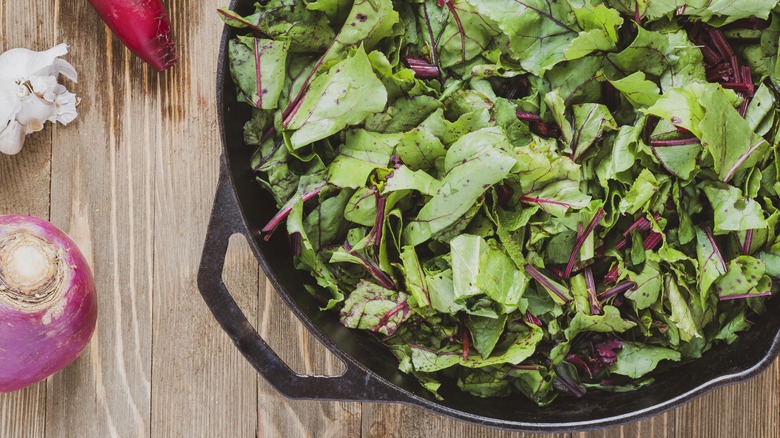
(392, 420)
(24, 189)
(656, 427)
(282, 417)
(102, 192)
(202, 385)
(746, 409)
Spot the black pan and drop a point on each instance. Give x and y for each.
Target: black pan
(241, 207)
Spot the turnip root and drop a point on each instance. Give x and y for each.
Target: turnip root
(48, 305)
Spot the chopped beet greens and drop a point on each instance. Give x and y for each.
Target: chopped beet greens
(528, 196)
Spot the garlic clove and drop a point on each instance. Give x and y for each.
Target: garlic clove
(34, 112)
(12, 138)
(66, 105)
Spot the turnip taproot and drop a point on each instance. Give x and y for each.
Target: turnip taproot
(143, 26)
(48, 305)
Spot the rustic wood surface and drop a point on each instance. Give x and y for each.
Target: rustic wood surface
(132, 181)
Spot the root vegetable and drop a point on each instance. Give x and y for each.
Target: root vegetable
(48, 305)
(143, 26)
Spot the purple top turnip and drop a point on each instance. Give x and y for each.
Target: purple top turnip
(48, 305)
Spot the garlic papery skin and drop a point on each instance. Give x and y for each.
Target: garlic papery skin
(12, 138)
(30, 94)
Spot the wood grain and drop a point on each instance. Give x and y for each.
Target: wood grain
(278, 416)
(205, 386)
(25, 189)
(132, 181)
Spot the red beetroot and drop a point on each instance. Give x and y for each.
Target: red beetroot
(48, 305)
(143, 26)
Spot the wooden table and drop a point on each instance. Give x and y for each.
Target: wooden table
(132, 181)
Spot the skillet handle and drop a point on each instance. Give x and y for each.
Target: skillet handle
(355, 384)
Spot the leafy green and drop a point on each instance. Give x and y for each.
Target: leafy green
(521, 196)
(342, 97)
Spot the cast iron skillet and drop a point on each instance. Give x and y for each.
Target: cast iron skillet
(241, 207)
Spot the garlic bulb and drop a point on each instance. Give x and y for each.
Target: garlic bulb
(30, 94)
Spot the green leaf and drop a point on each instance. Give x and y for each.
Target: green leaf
(732, 211)
(332, 8)
(362, 152)
(622, 156)
(637, 359)
(260, 84)
(286, 21)
(485, 332)
(404, 178)
(681, 160)
(590, 122)
(609, 322)
(473, 164)
(669, 56)
(548, 180)
(638, 91)
(648, 285)
(745, 276)
(484, 384)
(681, 108)
(481, 270)
(342, 97)
(416, 283)
(638, 197)
(374, 308)
(599, 24)
(539, 31)
(727, 136)
(711, 263)
(368, 22)
(681, 313)
(517, 348)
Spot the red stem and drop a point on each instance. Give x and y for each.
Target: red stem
(674, 142)
(285, 211)
(386, 317)
(622, 287)
(737, 297)
(581, 240)
(538, 276)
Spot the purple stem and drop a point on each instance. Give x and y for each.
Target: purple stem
(528, 117)
(243, 21)
(738, 86)
(543, 201)
(611, 292)
(581, 240)
(422, 69)
(652, 240)
(454, 12)
(715, 248)
(526, 367)
(379, 223)
(590, 283)
(545, 282)
(710, 55)
(386, 317)
(675, 142)
(720, 43)
(579, 363)
(383, 279)
(612, 275)
(741, 296)
(271, 226)
(531, 319)
(745, 250)
(295, 243)
(258, 73)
